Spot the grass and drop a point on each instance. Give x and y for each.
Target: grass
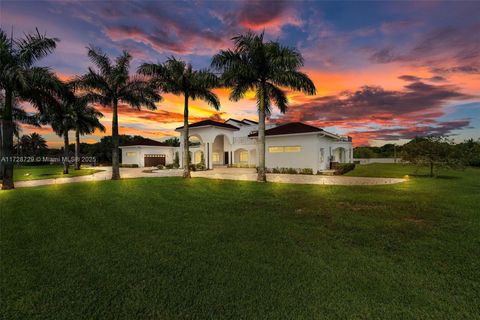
(23, 173)
(169, 248)
(389, 170)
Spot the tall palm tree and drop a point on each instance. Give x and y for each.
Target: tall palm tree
(266, 68)
(19, 78)
(86, 121)
(111, 84)
(61, 119)
(19, 116)
(178, 77)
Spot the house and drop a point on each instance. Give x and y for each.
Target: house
(292, 145)
(147, 153)
(234, 143)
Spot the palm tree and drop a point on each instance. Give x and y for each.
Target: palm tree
(19, 78)
(37, 143)
(111, 84)
(62, 121)
(178, 77)
(266, 68)
(86, 121)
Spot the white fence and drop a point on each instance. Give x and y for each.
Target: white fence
(377, 160)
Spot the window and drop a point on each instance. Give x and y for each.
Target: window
(216, 157)
(284, 149)
(244, 156)
(131, 154)
(293, 149)
(275, 149)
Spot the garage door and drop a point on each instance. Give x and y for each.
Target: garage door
(152, 160)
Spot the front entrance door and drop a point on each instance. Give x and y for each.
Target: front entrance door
(152, 160)
(226, 158)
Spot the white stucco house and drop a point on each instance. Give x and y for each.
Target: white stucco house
(147, 153)
(234, 142)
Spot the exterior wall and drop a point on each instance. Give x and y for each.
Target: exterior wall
(141, 151)
(306, 158)
(317, 150)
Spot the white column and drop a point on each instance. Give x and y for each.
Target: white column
(209, 153)
(180, 153)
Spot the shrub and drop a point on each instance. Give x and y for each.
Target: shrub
(128, 165)
(170, 166)
(343, 168)
(161, 167)
(192, 167)
(241, 165)
(306, 171)
(200, 166)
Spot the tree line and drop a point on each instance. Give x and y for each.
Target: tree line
(253, 64)
(431, 151)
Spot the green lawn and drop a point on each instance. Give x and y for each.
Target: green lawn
(394, 171)
(47, 172)
(166, 248)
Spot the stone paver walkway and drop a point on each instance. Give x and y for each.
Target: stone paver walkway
(218, 173)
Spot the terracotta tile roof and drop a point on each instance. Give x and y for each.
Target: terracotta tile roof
(238, 121)
(289, 128)
(209, 123)
(145, 142)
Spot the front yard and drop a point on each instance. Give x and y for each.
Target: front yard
(24, 173)
(163, 248)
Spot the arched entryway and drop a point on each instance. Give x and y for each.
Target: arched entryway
(221, 154)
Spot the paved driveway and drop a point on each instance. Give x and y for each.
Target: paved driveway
(218, 173)
(251, 175)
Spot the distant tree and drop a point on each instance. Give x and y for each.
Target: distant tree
(363, 153)
(110, 85)
(266, 68)
(432, 151)
(38, 143)
(179, 78)
(21, 78)
(470, 150)
(31, 145)
(173, 141)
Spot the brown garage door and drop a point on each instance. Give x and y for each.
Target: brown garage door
(152, 160)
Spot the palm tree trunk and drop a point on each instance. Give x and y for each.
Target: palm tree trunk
(261, 176)
(186, 155)
(431, 168)
(115, 142)
(77, 149)
(7, 182)
(65, 153)
(1, 148)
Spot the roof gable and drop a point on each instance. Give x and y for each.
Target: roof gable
(208, 122)
(145, 142)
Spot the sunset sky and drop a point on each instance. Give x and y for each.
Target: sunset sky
(384, 71)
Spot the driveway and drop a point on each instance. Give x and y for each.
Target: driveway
(251, 175)
(218, 173)
(125, 173)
